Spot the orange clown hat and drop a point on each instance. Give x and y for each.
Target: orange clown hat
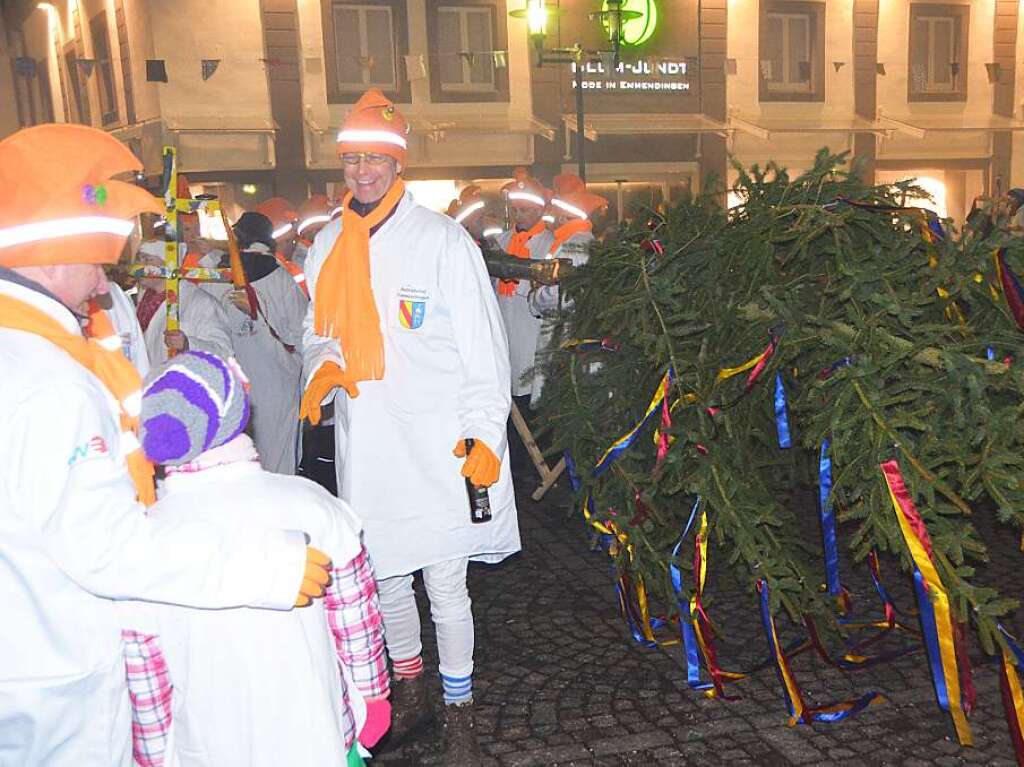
(281, 214)
(313, 214)
(58, 202)
(374, 125)
(581, 204)
(470, 201)
(525, 188)
(565, 183)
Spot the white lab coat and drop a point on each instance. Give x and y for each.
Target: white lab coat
(255, 688)
(521, 325)
(202, 320)
(445, 379)
(126, 323)
(73, 539)
(544, 304)
(275, 374)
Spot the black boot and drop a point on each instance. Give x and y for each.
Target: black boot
(458, 737)
(410, 711)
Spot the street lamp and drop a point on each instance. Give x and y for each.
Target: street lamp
(613, 18)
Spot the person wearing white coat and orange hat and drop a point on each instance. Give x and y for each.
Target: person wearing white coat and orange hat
(73, 536)
(573, 209)
(404, 333)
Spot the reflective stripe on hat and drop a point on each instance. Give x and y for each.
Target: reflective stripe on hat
(547, 218)
(281, 231)
(64, 227)
(311, 221)
(110, 343)
(468, 211)
(492, 231)
(526, 196)
(337, 211)
(370, 137)
(570, 209)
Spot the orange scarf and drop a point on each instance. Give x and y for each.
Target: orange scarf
(567, 230)
(518, 247)
(344, 307)
(101, 356)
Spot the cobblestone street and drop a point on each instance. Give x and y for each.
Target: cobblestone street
(559, 680)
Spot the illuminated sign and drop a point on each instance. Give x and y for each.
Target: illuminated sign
(636, 31)
(666, 76)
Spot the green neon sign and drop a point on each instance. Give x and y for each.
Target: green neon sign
(639, 30)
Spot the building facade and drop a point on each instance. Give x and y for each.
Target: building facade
(251, 92)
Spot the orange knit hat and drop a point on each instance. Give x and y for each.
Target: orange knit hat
(581, 204)
(313, 214)
(565, 183)
(58, 204)
(525, 188)
(374, 125)
(281, 214)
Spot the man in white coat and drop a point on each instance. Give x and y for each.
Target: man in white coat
(268, 345)
(202, 320)
(73, 537)
(403, 319)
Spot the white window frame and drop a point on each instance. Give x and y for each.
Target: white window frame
(364, 45)
(784, 85)
(467, 86)
(930, 85)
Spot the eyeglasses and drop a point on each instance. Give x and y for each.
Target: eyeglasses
(370, 158)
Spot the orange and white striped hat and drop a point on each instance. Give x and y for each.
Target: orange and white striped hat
(374, 125)
(578, 204)
(470, 201)
(58, 201)
(313, 214)
(525, 188)
(281, 214)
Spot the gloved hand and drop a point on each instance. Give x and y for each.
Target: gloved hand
(328, 377)
(378, 721)
(481, 468)
(315, 578)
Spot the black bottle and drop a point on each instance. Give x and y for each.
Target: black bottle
(479, 500)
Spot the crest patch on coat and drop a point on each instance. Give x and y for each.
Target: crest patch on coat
(411, 313)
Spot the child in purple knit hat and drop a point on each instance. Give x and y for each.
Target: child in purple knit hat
(241, 686)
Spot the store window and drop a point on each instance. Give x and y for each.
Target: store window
(792, 61)
(464, 36)
(104, 67)
(364, 43)
(938, 52)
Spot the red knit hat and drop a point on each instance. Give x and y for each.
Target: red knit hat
(58, 204)
(374, 125)
(525, 188)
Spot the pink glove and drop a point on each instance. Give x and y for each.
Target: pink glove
(378, 721)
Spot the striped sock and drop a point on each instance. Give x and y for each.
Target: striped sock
(457, 689)
(410, 668)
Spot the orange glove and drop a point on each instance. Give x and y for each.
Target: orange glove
(316, 577)
(328, 377)
(481, 468)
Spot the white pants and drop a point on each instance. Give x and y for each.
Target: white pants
(450, 609)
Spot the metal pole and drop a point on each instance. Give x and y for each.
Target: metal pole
(580, 139)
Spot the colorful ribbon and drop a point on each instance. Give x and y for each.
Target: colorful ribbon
(623, 443)
(781, 413)
(1010, 285)
(757, 362)
(933, 603)
(798, 710)
(581, 345)
(828, 530)
(1010, 691)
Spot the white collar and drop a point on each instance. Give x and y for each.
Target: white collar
(37, 300)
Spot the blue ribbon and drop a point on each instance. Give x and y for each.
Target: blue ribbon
(828, 521)
(1015, 648)
(935, 226)
(865, 700)
(691, 649)
(570, 469)
(769, 632)
(931, 640)
(623, 443)
(990, 353)
(781, 413)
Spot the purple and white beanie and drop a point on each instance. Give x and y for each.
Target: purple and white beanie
(194, 403)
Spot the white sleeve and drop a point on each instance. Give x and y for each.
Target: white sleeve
(205, 322)
(544, 301)
(76, 488)
(287, 307)
(317, 349)
(485, 396)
